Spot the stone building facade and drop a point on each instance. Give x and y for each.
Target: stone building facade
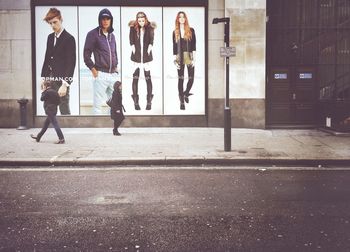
(247, 71)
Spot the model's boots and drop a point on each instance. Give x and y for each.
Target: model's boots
(149, 89)
(182, 101)
(186, 95)
(149, 102)
(136, 101)
(135, 83)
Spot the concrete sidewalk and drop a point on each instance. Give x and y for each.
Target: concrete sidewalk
(173, 146)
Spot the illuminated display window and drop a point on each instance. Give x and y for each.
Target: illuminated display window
(158, 52)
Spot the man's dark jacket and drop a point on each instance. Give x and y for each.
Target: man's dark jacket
(51, 100)
(103, 48)
(60, 59)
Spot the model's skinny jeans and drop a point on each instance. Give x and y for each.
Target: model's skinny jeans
(181, 71)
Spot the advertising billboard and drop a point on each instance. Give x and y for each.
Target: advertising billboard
(158, 52)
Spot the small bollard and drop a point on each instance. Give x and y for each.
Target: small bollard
(23, 113)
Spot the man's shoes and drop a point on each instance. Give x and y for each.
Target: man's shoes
(35, 137)
(60, 141)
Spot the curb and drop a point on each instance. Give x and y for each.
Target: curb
(171, 161)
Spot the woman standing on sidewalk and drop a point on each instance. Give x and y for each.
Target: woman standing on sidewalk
(117, 108)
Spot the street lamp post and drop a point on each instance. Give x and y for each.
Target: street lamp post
(226, 52)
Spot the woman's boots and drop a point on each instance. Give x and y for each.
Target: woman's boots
(116, 132)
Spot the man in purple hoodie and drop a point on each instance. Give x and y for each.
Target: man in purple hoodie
(101, 43)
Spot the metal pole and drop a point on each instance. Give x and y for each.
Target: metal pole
(227, 110)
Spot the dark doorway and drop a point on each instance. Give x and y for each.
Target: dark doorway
(308, 63)
(291, 96)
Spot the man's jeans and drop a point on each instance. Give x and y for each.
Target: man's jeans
(51, 119)
(103, 89)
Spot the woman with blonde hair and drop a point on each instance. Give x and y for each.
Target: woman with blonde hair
(141, 40)
(184, 50)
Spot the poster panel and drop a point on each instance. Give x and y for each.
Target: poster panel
(89, 21)
(143, 67)
(61, 57)
(189, 79)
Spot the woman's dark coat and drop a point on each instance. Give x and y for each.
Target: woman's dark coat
(117, 105)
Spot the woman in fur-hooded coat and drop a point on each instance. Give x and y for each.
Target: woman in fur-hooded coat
(141, 41)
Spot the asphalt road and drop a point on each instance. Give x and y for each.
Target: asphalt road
(162, 209)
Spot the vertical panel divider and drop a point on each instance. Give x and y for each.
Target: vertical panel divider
(78, 57)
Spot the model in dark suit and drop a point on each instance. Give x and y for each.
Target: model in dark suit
(60, 59)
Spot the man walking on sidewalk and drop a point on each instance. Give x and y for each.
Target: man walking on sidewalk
(51, 99)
